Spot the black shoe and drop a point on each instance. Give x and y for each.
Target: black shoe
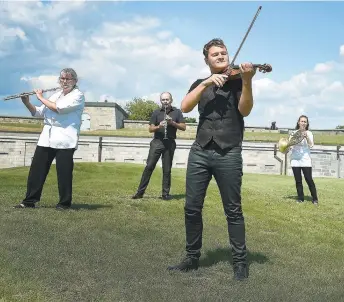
(24, 205)
(166, 197)
(240, 271)
(137, 196)
(300, 201)
(315, 202)
(186, 265)
(61, 207)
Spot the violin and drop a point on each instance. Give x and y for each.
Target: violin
(233, 71)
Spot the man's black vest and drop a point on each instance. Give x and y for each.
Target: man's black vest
(219, 117)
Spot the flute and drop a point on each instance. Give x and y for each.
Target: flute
(15, 96)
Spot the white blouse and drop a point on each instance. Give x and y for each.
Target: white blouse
(301, 154)
(61, 129)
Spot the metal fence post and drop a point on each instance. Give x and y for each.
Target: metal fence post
(100, 147)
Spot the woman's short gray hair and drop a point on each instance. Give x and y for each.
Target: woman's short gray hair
(70, 71)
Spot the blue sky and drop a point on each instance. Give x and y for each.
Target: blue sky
(123, 50)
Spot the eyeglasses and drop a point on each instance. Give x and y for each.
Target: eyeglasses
(66, 79)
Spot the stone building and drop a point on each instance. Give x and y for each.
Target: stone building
(96, 116)
(103, 116)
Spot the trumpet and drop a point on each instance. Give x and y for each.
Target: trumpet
(15, 96)
(294, 139)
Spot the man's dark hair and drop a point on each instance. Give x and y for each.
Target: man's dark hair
(213, 42)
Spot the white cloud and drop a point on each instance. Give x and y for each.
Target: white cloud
(36, 12)
(137, 26)
(126, 60)
(323, 67)
(341, 51)
(42, 82)
(11, 32)
(67, 44)
(164, 34)
(118, 61)
(318, 93)
(8, 36)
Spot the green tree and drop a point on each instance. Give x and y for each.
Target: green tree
(140, 109)
(340, 127)
(190, 120)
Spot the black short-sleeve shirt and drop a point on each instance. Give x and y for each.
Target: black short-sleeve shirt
(159, 115)
(219, 117)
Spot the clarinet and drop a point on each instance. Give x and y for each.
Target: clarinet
(165, 125)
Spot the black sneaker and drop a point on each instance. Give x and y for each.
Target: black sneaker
(315, 202)
(137, 196)
(166, 197)
(61, 207)
(187, 264)
(300, 201)
(24, 205)
(240, 271)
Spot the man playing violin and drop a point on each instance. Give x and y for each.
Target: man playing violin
(223, 102)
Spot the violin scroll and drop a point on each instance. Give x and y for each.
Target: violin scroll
(264, 68)
(261, 67)
(233, 72)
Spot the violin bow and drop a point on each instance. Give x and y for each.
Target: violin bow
(243, 40)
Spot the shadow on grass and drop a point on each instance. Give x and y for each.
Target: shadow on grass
(157, 197)
(225, 255)
(85, 206)
(178, 196)
(82, 206)
(293, 197)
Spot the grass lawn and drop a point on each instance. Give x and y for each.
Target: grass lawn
(188, 134)
(112, 248)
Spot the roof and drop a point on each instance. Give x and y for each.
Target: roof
(107, 104)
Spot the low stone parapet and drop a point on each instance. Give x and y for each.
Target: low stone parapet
(17, 150)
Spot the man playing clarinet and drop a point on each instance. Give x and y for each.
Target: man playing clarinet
(164, 123)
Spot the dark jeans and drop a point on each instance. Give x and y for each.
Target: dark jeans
(307, 173)
(226, 167)
(165, 149)
(39, 170)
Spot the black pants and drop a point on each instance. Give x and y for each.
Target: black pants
(39, 170)
(307, 173)
(226, 167)
(165, 149)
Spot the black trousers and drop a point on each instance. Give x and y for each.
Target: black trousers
(226, 167)
(165, 149)
(39, 170)
(307, 173)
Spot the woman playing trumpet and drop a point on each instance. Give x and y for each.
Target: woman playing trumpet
(300, 160)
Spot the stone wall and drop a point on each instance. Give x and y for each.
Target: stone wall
(16, 150)
(96, 116)
(193, 127)
(21, 120)
(144, 125)
(101, 118)
(105, 116)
